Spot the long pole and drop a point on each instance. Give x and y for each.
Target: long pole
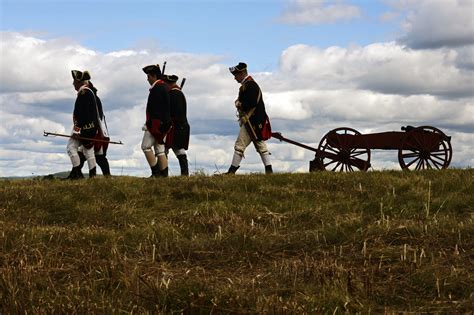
(245, 120)
(46, 133)
(278, 136)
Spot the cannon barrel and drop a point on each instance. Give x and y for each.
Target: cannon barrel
(278, 136)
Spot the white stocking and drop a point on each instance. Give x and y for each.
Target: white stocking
(266, 159)
(90, 157)
(236, 159)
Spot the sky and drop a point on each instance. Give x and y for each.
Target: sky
(370, 65)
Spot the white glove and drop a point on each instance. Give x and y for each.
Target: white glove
(76, 132)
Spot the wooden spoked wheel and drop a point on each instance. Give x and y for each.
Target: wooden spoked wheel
(337, 152)
(425, 147)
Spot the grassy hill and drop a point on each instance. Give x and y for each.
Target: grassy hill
(282, 244)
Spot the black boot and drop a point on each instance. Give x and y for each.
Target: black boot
(268, 169)
(75, 173)
(155, 170)
(92, 172)
(232, 169)
(183, 164)
(103, 164)
(164, 172)
(82, 159)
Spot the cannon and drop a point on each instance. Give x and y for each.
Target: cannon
(347, 150)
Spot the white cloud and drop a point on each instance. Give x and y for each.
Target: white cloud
(31, 64)
(438, 23)
(374, 88)
(389, 16)
(278, 104)
(125, 53)
(383, 67)
(318, 12)
(23, 126)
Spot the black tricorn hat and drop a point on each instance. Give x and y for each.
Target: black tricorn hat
(238, 68)
(80, 75)
(170, 78)
(152, 69)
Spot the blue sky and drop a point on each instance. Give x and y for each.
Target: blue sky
(249, 30)
(372, 65)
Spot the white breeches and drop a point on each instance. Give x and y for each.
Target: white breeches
(99, 152)
(243, 140)
(73, 149)
(149, 142)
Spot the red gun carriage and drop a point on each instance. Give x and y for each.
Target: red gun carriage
(346, 149)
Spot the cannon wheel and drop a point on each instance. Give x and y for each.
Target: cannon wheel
(341, 155)
(415, 153)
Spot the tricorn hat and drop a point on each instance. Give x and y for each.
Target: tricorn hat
(172, 78)
(152, 69)
(80, 75)
(238, 68)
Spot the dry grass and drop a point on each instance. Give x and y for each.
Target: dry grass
(282, 244)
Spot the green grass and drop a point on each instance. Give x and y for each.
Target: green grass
(282, 244)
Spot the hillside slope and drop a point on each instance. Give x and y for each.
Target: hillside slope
(287, 244)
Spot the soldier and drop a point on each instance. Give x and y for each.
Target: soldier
(178, 137)
(254, 122)
(85, 125)
(100, 148)
(158, 122)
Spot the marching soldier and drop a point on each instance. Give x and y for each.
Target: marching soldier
(85, 125)
(178, 137)
(158, 122)
(100, 148)
(254, 122)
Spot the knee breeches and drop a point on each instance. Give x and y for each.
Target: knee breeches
(149, 142)
(243, 140)
(73, 152)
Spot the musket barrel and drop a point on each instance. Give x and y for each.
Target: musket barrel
(245, 120)
(164, 68)
(46, 133)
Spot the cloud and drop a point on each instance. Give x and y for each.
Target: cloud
(387, 68)
(465, 58)
(433, 24)
(20, 127)
(30, 64)
(277, 104)
(389, 16)
(318, 12)
(373, 88)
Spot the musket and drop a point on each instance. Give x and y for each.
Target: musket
(46, 133)
(163, 70)
(244, 119)
(182, 83)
